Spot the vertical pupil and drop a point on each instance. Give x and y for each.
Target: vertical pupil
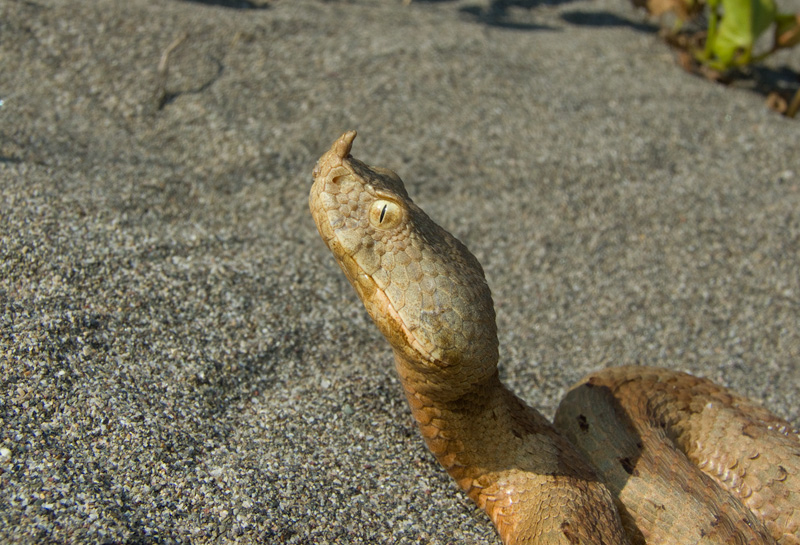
(383, 213)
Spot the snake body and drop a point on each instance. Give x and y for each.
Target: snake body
(637, 454)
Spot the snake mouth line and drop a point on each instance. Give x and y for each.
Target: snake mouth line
(383, 312)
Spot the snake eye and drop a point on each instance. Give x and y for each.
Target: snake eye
(385, 214)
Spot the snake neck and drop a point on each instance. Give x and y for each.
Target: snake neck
(455, 429)
(504, 455)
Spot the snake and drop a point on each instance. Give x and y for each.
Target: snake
(634, 454)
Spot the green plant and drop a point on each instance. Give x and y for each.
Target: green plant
(734, 27)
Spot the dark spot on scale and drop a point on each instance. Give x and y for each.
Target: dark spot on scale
(746, 432)
(566, 529)
(582, 423)
(628, 465)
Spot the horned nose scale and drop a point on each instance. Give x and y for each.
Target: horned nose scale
(339, 151)
(343, 145)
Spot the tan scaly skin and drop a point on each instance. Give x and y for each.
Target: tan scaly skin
(428, 296)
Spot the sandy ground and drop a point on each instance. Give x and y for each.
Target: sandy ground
(182, 360)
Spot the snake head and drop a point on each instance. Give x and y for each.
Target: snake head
(423, 289)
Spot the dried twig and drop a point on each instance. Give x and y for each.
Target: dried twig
(161, 95)
(794, 106)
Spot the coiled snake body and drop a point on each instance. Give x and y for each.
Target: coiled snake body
(637, 454)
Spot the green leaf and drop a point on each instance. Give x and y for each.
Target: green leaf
(740, 25)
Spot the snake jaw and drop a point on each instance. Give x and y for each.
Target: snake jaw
(383, 312)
